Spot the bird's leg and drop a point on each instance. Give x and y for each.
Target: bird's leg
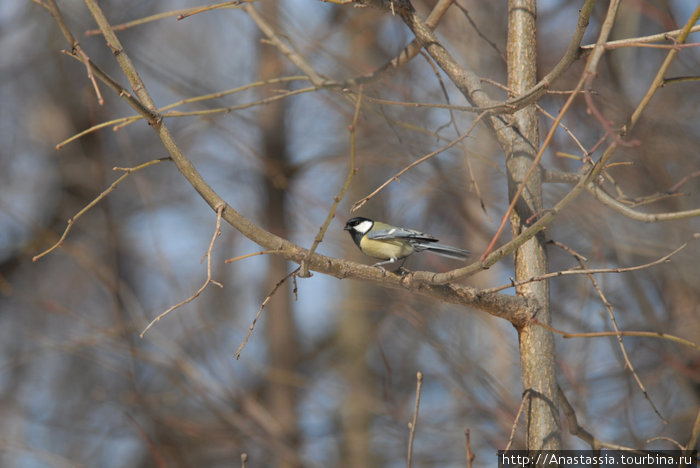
(386, 262)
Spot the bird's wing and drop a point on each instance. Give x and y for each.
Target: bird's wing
(400, 233)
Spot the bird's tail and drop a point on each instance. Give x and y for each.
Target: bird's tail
(445, 251)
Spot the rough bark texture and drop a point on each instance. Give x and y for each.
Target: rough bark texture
(536, 343)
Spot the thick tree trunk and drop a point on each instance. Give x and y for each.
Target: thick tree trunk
(536, 343)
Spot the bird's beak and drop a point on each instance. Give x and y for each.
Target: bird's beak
(347, 228)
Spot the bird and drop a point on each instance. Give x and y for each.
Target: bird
(391, 244)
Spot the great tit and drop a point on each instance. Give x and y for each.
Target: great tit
(391, 243)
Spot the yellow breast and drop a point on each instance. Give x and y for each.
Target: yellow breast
(386, 249)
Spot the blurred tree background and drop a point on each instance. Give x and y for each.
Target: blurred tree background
(328, 377)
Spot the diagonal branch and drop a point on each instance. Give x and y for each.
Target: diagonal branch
(336, 200)
(518, 310)
(127, 172)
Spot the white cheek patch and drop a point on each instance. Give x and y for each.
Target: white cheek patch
(364, 226)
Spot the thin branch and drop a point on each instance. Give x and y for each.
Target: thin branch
(124, 61)
(358, 204)
(659, 78)
(592, 271)
(667, 439)
(603, 197)
(626, 210)
(533, 166)
(579, 431)
(217, 232)
(286, 50)
(694, 433)
(304, 267)
(262, 252)
(133, 101)
(685, 179)
(680, 79)
(180, 14)
(643, 39)
(659, 335)
(237, 354)
(202, 9)
(427, 105)
(111, 188)
(619, 334)
(120, 121)
(526, 397)
(407, 54)
(124, 121)
(75, 46)
(468, 82)
(414, 421)
(472, 180)
(470, 456)
(483, 36)
(228, 92)
(586, 153)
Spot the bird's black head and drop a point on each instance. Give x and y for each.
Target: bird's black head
(358, 227)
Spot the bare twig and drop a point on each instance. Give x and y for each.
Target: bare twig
(286, 50)
(180, 14)
(659, 78)
(580, 271)
(304, 267)
(125, 62)
(358, 204)
(609, 201)
(643, 39)
(685, 179)
(526, 397)
(577, 430)
(694, 434)
(617, 205)
(124, 121)
(453, 122)
(576, 141)
(407, 54)
(71, 221)
(202, 9)
(619, 334)
(660, 335)
(75, 46)
(533, 166)
(241, 257)
(667, 439)
(237, 354)
(217, 232)
(414, 421)
(468, 448)
(259, 102)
